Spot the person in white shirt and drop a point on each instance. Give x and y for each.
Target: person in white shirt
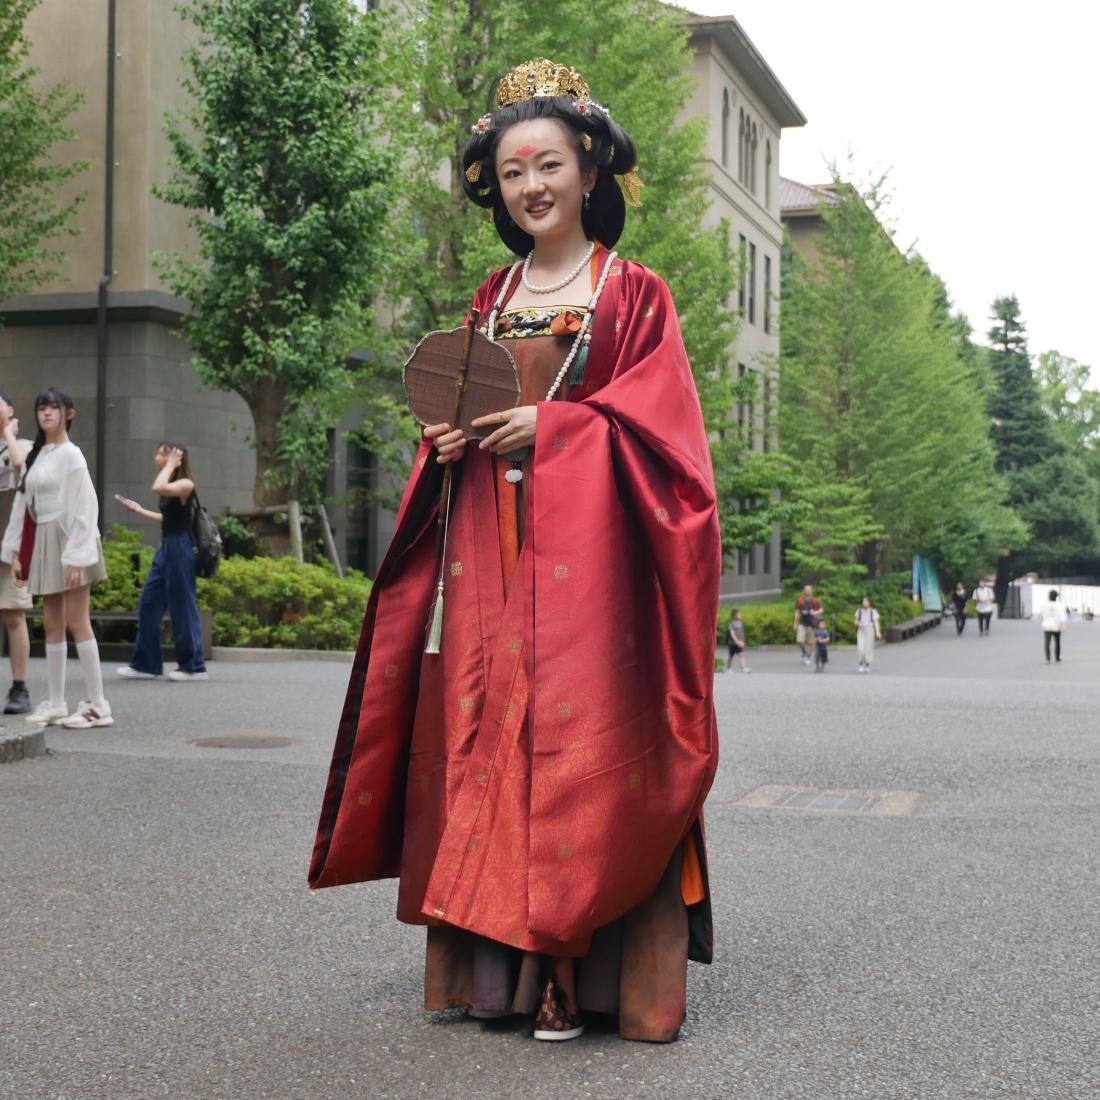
(14, 602)
(867, 630)
(983, 602)
(1053, 620)
(53, 540)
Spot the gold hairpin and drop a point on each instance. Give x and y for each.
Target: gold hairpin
(586, 141)
(473, 173)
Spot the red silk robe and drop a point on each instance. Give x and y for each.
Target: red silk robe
(532, 781)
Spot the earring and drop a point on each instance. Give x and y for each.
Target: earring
(586, 200)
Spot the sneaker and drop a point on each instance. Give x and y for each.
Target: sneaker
(128, 672)
(46, 714)
(19, 701)
(181, 676)
(85, 717)
(746, 669)
(554, 1022)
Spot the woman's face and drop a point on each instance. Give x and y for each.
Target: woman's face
(49, 417)
(540, 178)
(160, 458)
(866, 602)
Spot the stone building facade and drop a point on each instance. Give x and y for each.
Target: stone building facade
(748, 109)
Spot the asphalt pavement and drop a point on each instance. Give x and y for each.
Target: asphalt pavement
(157, 938)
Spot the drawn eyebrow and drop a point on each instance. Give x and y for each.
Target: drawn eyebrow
(527, 150)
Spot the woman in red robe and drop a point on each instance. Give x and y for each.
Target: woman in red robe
(538, 784)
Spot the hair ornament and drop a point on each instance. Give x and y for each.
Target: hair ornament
(540, 78)
(586, 141)
(481, 125)
(611, 153)
(473, 173)
(632, 186)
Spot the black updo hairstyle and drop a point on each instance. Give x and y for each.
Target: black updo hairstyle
(58, 399)
(612, 153)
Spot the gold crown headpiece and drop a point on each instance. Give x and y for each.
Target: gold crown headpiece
(540, 78)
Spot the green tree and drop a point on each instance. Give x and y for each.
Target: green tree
(1048, 484)
(882, 401)
(1072, 405)
(444, 65)
(277, 156)
(32, 123)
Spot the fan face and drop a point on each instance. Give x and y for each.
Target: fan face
(492, 384)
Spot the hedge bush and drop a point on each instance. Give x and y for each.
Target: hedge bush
(771, 623)
(284, 604)
(256, 601)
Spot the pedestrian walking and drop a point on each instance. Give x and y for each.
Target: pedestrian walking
(807, 610)
(821, 645)
(983, 604)
(735, 642)
(1053, 619)
(868, 629)
(15, 602)
(171, 580)
(959, 599)
(54, 527)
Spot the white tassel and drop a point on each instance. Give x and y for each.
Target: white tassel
(435, 634)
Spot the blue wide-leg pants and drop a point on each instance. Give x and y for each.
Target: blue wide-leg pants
(171, 584)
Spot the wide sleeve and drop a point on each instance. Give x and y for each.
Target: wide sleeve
(80, 520)
(14, 531)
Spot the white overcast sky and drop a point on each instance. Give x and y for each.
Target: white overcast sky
(987, 116)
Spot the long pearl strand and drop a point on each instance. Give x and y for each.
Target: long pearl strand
(557, 286)
(583, 335)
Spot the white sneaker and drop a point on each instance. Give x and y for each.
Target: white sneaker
(85, 717)
(46, 714)
(746, 669)
(180, 676)
(129, 673)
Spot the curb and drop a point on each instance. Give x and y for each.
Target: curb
(20, 746)
(242, 653)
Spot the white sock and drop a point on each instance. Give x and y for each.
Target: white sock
(88, 652)
(56, 656)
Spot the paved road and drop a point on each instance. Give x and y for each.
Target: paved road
(157, 938)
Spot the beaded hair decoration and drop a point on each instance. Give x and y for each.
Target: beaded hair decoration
(547, 78)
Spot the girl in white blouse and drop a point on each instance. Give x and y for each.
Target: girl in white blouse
(58, 554)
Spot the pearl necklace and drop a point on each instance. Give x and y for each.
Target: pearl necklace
(583, 336)
(565, 282)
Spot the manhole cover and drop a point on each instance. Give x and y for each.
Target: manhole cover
(776, 797)
(242, 742)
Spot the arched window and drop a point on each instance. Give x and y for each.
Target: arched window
(741, 147)
(746, 145)
(752, 162)
(725, 127)
(768, 173)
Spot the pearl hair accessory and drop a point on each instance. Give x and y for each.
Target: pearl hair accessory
(566, 281)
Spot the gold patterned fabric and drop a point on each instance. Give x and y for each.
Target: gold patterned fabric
(515, 324)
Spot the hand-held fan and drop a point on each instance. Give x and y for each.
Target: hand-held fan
(453, 378)
(443, 361)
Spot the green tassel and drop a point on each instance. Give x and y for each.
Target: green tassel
(578, 366)
(435, 634)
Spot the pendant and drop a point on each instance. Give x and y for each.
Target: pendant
(513, 475)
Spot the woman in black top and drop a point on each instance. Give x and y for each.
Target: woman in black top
(171, 581)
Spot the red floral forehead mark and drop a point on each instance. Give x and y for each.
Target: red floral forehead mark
(526, 151)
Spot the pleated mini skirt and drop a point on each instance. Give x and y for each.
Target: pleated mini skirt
(47, 573)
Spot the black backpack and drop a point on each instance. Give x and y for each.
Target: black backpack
(208, 541)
